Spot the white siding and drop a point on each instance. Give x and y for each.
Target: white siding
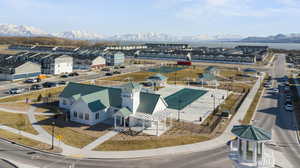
(160, 106)
(99, 61)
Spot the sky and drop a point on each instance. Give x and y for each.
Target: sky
(176, 17)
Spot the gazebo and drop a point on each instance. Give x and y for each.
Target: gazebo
(248, 149)
(208, 79)
(158, 80)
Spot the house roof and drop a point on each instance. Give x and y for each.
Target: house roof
(158, 77)
(148, 102)
(125, 112)
(98, 97)
(250, 132)
(91, 93)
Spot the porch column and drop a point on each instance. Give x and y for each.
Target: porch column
(262, 149)
(124, 123)
(231, 145)
(238, 144)
(244, 148)
(115, 121)
(120, 120)
(254, 154)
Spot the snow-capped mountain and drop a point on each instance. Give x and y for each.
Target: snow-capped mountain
(79, 35)
(279, 38)
(143, 37)
(20, 30)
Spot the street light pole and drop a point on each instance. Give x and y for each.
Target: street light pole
(52, 145)
(179, 103)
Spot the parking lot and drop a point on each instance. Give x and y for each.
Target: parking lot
(5, 86)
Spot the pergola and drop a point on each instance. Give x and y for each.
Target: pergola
(124, 114)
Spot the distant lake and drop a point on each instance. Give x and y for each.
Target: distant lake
(286, 46)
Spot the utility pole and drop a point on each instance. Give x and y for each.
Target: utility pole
(52, 145)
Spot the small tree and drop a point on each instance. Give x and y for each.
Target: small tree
(39, 98)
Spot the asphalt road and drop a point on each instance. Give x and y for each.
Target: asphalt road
(272, 116)
(4, 90)
(216, 158)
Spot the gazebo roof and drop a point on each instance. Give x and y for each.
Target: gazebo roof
(250, 132)
(158, 77)
(207, 77)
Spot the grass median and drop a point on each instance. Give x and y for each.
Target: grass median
(250, 112)
(19, 139)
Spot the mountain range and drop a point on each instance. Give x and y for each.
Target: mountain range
(29, 31)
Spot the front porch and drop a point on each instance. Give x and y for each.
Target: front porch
(140, 122)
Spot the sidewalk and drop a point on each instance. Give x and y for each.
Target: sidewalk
(100, 140)
(23, 112)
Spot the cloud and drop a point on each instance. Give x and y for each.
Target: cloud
(197, 9)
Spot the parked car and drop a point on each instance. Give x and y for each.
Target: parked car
(62, 82)
(286, 88)
(64, 76)
(116, 72)
(36, 87)
(276, 90)
(16, 90)
(116, 67)
(289, 107)
(74, 74)
(147, 84)
(122, 66)
(49, 84)
(108, 74)
(31, 80)
(106, 69)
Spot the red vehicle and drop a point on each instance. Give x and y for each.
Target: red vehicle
(187, 63)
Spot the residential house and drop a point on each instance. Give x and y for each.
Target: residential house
(122, 106)
(19, 70)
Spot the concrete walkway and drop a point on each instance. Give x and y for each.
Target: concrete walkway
(100, 140)
(24, 112)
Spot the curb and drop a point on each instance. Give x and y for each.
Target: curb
(8, 162)
(295, 119)
(28, 147)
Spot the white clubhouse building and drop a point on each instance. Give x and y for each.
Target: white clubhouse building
(125, 106)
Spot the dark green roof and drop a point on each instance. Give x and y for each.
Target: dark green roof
(90, 94)
(96, 106)
(158, 77)
(210, 69)
(148, 102)
(207, 76)
(250, 132)
(98, 97)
